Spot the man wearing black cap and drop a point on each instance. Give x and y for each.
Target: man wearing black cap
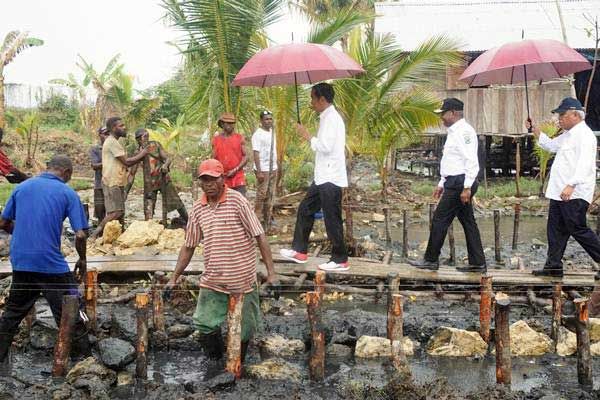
(571, 185)
(459, 168)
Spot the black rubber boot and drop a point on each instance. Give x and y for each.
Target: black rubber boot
(5, 357)
(81, 347)
(212, 344)
(245, 349)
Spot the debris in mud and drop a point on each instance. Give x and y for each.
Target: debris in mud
(276, 369)
(453, 342)
(278, 346)
(116, 353)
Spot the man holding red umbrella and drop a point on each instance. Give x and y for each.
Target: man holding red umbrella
(571, 185)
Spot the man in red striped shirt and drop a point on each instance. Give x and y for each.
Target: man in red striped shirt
(227, 226)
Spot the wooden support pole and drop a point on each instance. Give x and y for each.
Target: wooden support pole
(158, 312)
(451, 243)
(316, 362)
(234, 334)
(584, 357)
(497, 254)
(515, 239)
(388, 232)
(69, 315)
(431, 210)
(394, 317)
(485, 308)
(141, 305)
(91, 296)
(393, 281)
(518, 168)
(556, 310)
(404, 233)
(387, 257)
(320, 279)
(502, 338)
(300, 281)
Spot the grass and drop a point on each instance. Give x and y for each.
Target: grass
(5, 191)
(81, 184)
(496, 188)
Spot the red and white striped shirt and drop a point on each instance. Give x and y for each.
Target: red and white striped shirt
(228, 233)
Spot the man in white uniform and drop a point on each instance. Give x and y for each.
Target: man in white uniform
(459, 168)
(326, 191)
(264, 149)
(570, 187)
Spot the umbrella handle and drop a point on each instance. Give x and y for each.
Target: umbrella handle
(297, 103)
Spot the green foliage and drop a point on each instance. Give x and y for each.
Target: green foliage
(181, 178)
(544, 156)
(81, 184)
(174, 94)
(58, 112)
(168, 134)
(5, 192)
(29, 129)
(298, 169)
(496, 187)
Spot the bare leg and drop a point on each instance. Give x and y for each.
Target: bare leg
(115, 215)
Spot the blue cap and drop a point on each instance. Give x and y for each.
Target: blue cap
(450, 104)
(568, 103)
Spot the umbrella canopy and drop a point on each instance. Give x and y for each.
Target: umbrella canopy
(295, 63)
(526, 60)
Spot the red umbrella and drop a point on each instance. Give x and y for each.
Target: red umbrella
(527, 60)
(296, 63)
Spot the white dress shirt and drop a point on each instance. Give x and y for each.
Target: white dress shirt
(460, 153)
(261, 142)
(574, 164)
(330, 149)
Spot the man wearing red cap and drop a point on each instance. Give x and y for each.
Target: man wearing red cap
(229, 148)
(225, 223)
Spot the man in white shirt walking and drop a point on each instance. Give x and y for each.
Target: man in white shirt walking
(329, 178)
(570, 187)
(264, 149)
(459, 168)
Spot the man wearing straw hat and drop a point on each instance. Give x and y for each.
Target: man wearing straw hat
(571, 185)
(229, 148)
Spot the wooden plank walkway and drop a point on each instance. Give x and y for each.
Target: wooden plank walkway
(359, 267)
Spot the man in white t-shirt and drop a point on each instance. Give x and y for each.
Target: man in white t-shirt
(264, 149)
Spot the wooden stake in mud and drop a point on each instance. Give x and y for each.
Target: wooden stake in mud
(431, 210)
(502, 338)
(518, 167)
(387, 257)
(320, 279)
(584, 357)
(141, 305)
(393, 281)
(451, 243)
(91, 296)
(234, 334)
(498, 257)
(556, 310)
(485, 308)
(69, 315)
(404, 233)
(394, 317)
(158, 312)
(516, 226)
(316, 362)
(388, 232)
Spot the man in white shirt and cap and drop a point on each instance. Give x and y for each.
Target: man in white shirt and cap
(459, 168)
(326, 190)
(571, 185)
(264, 149)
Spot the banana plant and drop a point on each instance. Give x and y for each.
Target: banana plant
(543, 156)
(28, 128)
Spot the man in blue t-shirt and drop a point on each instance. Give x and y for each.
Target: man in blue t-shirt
(34, 214)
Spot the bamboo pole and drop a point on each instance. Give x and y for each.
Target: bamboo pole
(502, 338)
(320, 279)
(451, 243)
(485, 308)
(158, 314)
(497, 254)
(316, 363)
(234, 334)
(556, 310)
(141, 305)
(388, 232)
(404, 233)
(515, 239)
(91, 297)
(584, 358)
(68, 318)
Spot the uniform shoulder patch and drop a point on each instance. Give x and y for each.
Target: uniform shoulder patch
(467, 138)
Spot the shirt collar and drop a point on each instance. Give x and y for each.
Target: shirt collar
(577, 127)
(326, 111)
(48, 175)
(204, 199)
(456, 125)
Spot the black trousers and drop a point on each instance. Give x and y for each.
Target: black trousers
(565, 219)
(449, 207)
(25, 289)
(329, 198)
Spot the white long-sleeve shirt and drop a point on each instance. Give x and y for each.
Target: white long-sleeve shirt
(329, 146)
(460, 153)
(574, 164)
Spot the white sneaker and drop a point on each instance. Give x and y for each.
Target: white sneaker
(333, 266)
(294, 256)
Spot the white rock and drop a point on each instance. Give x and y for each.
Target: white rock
(525, 341)
(111, 232)
(452, 342)
(276, 369)
(278, 346)
(140, 233)
(566, 343)
(374, 346)
(594, 329)
(378, 217)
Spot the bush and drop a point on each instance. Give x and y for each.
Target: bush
(58, 112)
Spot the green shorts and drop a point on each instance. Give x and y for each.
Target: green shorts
(211, 312)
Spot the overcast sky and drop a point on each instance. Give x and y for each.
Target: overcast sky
(99, 29)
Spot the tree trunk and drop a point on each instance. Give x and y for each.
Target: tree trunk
(2, 109)
(591, 80)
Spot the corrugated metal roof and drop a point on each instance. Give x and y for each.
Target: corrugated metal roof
(481, 25)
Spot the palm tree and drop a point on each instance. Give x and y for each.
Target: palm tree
(14, 43)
